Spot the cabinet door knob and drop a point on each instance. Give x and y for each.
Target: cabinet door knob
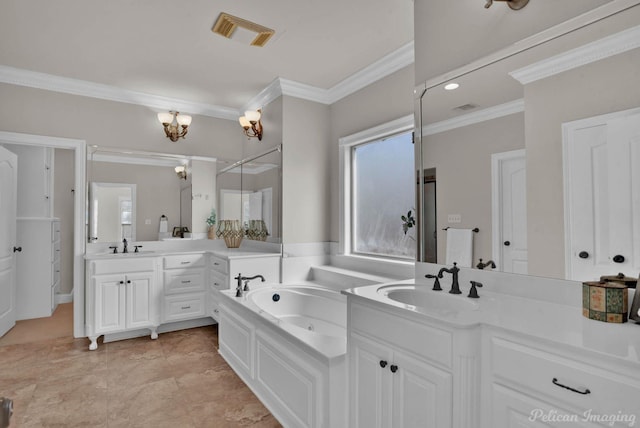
(383, 363)
(393, 368)
(121, 282)
(618, 258)
(17, 249)
(507, 243)
(583, 255)
(128, 281)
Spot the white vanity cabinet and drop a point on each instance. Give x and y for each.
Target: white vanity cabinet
(122, 294)
(37, 267)
(184, 287)
(400, 371)
(224, 268)
(531, 384)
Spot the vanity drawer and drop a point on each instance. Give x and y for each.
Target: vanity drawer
(218, 281)
(183, 307)
(544, 372)
(55, 231)
(219, 264)
(425, 341)
(122, 264)
(184, 281)
(183, 261)
(55, 251)
(55, 272)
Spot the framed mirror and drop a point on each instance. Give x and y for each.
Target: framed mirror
(496, 151)
(184, 199)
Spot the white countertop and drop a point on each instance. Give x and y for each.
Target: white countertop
(228, 253)
(540, 319)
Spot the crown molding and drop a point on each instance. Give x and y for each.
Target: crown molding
(50, 82)
(396, 60)
(578, 57)
(388, 64)
(401, 124)
(483, 115)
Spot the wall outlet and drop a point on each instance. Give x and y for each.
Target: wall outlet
(147, 221)
(454, 218)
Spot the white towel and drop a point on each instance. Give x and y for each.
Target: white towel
(164, 225)
(459, 247)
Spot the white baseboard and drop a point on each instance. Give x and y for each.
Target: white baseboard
(64, 298)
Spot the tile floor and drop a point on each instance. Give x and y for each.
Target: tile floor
(178, 380)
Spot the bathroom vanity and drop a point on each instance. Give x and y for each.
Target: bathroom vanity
(511, 358)
(134, 294)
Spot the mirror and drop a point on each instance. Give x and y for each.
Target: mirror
(250, 191)
(491, 151)
(185, 201)
(113, 208)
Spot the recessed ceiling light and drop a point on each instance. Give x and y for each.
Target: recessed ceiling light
(451, 86)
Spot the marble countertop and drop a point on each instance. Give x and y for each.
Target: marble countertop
(539, 319)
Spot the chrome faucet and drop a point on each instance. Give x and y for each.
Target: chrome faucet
(124, 243)
(240, 278)
(455, 287)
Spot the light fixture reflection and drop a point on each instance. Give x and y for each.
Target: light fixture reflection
(251, 124)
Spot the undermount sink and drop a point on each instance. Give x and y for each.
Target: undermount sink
(421, 296)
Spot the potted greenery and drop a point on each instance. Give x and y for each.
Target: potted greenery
(211, 222)
(408, 222)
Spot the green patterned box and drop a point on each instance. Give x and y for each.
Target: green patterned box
(605, 301)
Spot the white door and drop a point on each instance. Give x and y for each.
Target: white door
(109, 303)
(509, 194)
(8, 202)
(602, 196)
(140, 302)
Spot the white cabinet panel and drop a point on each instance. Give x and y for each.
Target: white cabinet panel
(184, 306)
(109, 304)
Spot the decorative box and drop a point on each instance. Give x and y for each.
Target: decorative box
(605, 301)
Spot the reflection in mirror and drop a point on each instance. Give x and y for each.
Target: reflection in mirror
(493, 151)
(249, 191)
(113, 212)
(185, 201)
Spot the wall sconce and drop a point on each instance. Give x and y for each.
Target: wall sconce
(172, 123)
(251, 123)
(181, 170)
(513, 4)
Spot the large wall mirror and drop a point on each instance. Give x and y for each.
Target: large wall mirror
(496, 154)
(249, 191)
(161, 201)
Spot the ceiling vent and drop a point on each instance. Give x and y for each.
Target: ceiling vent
(239, 29)
(466, 107)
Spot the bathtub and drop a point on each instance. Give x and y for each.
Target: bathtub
(288, 344)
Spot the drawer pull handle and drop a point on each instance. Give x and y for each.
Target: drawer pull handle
(383, 363)
(393, 368)
(585, 392)
(186, 307)
(216, 284)
(216, 311)
(184, 263)
(216, 264)
(186, 282)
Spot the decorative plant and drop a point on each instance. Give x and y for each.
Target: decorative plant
(408, 222)
(211, 220)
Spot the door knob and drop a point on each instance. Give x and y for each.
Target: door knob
(583, 255)
(383, 363)
(618, 259)
(17, 249)
(393, 368)
(507, 243)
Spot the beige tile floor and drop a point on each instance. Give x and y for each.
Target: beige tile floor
(179, 380)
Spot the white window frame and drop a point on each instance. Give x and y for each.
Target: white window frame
(345, 145)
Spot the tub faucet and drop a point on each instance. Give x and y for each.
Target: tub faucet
(482, 265)
(246, 280)
(124, 243)
(455, 287)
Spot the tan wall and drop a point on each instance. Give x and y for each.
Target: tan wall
(462, 158)
(602, 87)
(383, 101)
(306, 171)
(63, 205)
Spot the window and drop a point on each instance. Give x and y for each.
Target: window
(379, 187)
